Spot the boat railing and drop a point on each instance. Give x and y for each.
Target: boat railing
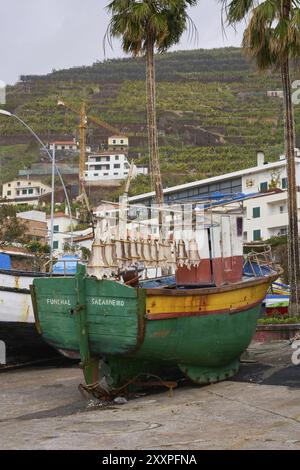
(66, 270)
(259, 261)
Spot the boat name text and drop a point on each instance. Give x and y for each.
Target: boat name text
(59, 302)
(112, 302)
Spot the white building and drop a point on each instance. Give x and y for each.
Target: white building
(61, 230)
(109, 166)
(118, 143)
(66, 145)
(266, 215)
(23, 189)
(38, 216)
(275, 94)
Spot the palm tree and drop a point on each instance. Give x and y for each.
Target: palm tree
(145, 26)
(272, 38)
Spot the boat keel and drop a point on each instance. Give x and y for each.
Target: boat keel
(209, 375)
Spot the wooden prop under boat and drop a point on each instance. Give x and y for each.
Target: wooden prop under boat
(131, 331)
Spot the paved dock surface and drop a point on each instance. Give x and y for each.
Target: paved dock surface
(41, 408)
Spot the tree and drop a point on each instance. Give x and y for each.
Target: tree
(41, 254)
(145, 26)
(11, 227)
(272, 38)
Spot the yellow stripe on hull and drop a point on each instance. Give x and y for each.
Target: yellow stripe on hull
(232, 300)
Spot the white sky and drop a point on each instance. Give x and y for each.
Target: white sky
(37, 36)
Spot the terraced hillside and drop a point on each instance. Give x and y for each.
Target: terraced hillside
(213, 112)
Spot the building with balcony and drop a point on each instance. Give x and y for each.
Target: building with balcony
(109, 166)
(24, 190)
(266, 212)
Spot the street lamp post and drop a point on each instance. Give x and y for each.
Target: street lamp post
(3, 112)
(52, 207)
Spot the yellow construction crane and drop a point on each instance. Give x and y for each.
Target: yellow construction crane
(82, 128)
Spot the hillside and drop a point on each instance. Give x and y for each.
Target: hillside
(213, 112)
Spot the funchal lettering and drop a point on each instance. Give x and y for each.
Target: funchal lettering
(58, 302)
(93, 301)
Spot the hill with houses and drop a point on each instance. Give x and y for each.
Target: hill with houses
(214, 113)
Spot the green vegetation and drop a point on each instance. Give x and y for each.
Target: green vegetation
(11, 228)
(14, 158)
(280, 320)
(213, 112)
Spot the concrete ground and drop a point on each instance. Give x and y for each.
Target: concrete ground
(41, 408)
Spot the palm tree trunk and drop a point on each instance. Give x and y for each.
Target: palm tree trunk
(152, 124)
(293, 239)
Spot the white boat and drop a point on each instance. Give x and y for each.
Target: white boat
(17, 323)
(15, 300)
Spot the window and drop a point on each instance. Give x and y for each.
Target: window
(18, 183)
(256, 212)
(98, 159)
(284, 184)
(256, 235)
(282, 232)
(239, 226)
(24, 191)
(18, 193)
(114, 141)
(30, 191)
(9, 185)
(122, 141)
(281, 209)
(245, 236)
(55, 228)
(117, 165)
(264, 186)
(29, 183)
(116, 174)
(116, 157)
(96, 174)
(55, 245)
(105, 174)
(9, 193)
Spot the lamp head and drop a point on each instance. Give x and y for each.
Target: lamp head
(5, 113)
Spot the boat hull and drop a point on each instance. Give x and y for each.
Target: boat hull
(201, 332)
(17, 324)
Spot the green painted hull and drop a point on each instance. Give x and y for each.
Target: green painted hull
(108, 321)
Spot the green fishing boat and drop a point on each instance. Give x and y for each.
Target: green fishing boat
(198, 328)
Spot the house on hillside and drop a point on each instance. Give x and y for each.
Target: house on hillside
(118, 143)
(66, 146)
(61, 229)
(109, 166)
(24, 191)
(275, 94)
(35, 225)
